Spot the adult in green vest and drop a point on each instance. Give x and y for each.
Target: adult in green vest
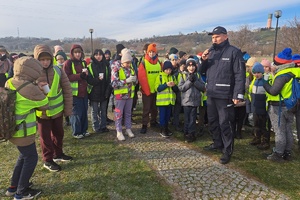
(281, 118)
(99, 90)
(147, 73)
(50, 122)
(123, 80)
(29, 98)
(76, 70)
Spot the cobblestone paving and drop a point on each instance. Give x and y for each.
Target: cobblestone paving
(196, 176)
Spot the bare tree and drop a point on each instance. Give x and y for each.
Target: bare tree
(244, 39)
(289, 35)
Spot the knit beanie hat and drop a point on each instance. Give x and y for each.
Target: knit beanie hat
(119, 48)
(173, 57)
(173, 50)
(265, 62)
(246, 56)
(61, 53)
(181, 54)
(167, 65)
(283, 57)
(250, 62)
(3, 49)
(258, 68)
(126, 55)
(296, 58)
(57, 48)
(152, 47)
(107, 52)
(191, 61)
(182, 62)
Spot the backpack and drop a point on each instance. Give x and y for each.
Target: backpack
(292, 102)
(8, 125)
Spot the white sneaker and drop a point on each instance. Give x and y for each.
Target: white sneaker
(129, 133)
(80, 136)
(120, 136)
(86, 134)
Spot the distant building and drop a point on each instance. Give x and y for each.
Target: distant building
(269, 22)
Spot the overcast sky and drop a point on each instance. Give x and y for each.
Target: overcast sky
(132, 19)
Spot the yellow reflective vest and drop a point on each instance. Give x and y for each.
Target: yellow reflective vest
(55, 97)
(124, 89)
(167, 96)
(25, 114)
(152, 72)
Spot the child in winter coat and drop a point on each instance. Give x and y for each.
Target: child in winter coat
(165, 85)
(191, 86)
(123, 80)
(29, 98)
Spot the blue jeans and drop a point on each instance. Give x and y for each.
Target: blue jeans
(24, 167)
(164, 115)
(98, 114)
(79, 117)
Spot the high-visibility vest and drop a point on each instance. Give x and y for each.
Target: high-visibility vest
(90, 87)
(124, 89)
(25, 115)
(152, 71)
(74, 84)
(167, 96)
(55, 97)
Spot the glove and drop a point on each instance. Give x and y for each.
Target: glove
(83, 75)
(192, 78)
(131, 79)
(266, 77)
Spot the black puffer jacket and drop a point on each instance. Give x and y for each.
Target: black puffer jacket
(101, 88)
(225, 71)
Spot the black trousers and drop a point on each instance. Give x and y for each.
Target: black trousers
(220, 113)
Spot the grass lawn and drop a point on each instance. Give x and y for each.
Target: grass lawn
(102, 169)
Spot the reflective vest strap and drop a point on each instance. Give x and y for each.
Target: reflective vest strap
(23, 117)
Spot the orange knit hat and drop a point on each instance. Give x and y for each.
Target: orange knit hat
(152, 47)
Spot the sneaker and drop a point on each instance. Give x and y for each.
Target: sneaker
(164, 134)
(287, 155)
(212, 147)
(86, 134)
(79, 136)
(63, 158)
(28, 194)
(52, 166)
(120, 136)
(275, 157)
(12, 190)
(144, 129)
(129, 133)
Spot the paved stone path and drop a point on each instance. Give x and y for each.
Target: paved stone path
(196, 176)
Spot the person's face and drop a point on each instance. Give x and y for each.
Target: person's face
(126, 64)
(77, 54)
(218, 39)
(60, 60)
(168, 71)
(151, 54)
(267, 69)
(181, 67)
(98, 56)
(107, 56)
(191, 68)
(174, 62)
(258, 75)
(45, 62)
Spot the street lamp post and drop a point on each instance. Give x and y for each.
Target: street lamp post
(91, 31)
(277, 14)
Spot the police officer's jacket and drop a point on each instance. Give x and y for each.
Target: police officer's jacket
(225, 72)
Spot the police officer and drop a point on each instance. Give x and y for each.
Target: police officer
(225, 69)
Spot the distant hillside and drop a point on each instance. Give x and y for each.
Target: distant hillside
(259, 42)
